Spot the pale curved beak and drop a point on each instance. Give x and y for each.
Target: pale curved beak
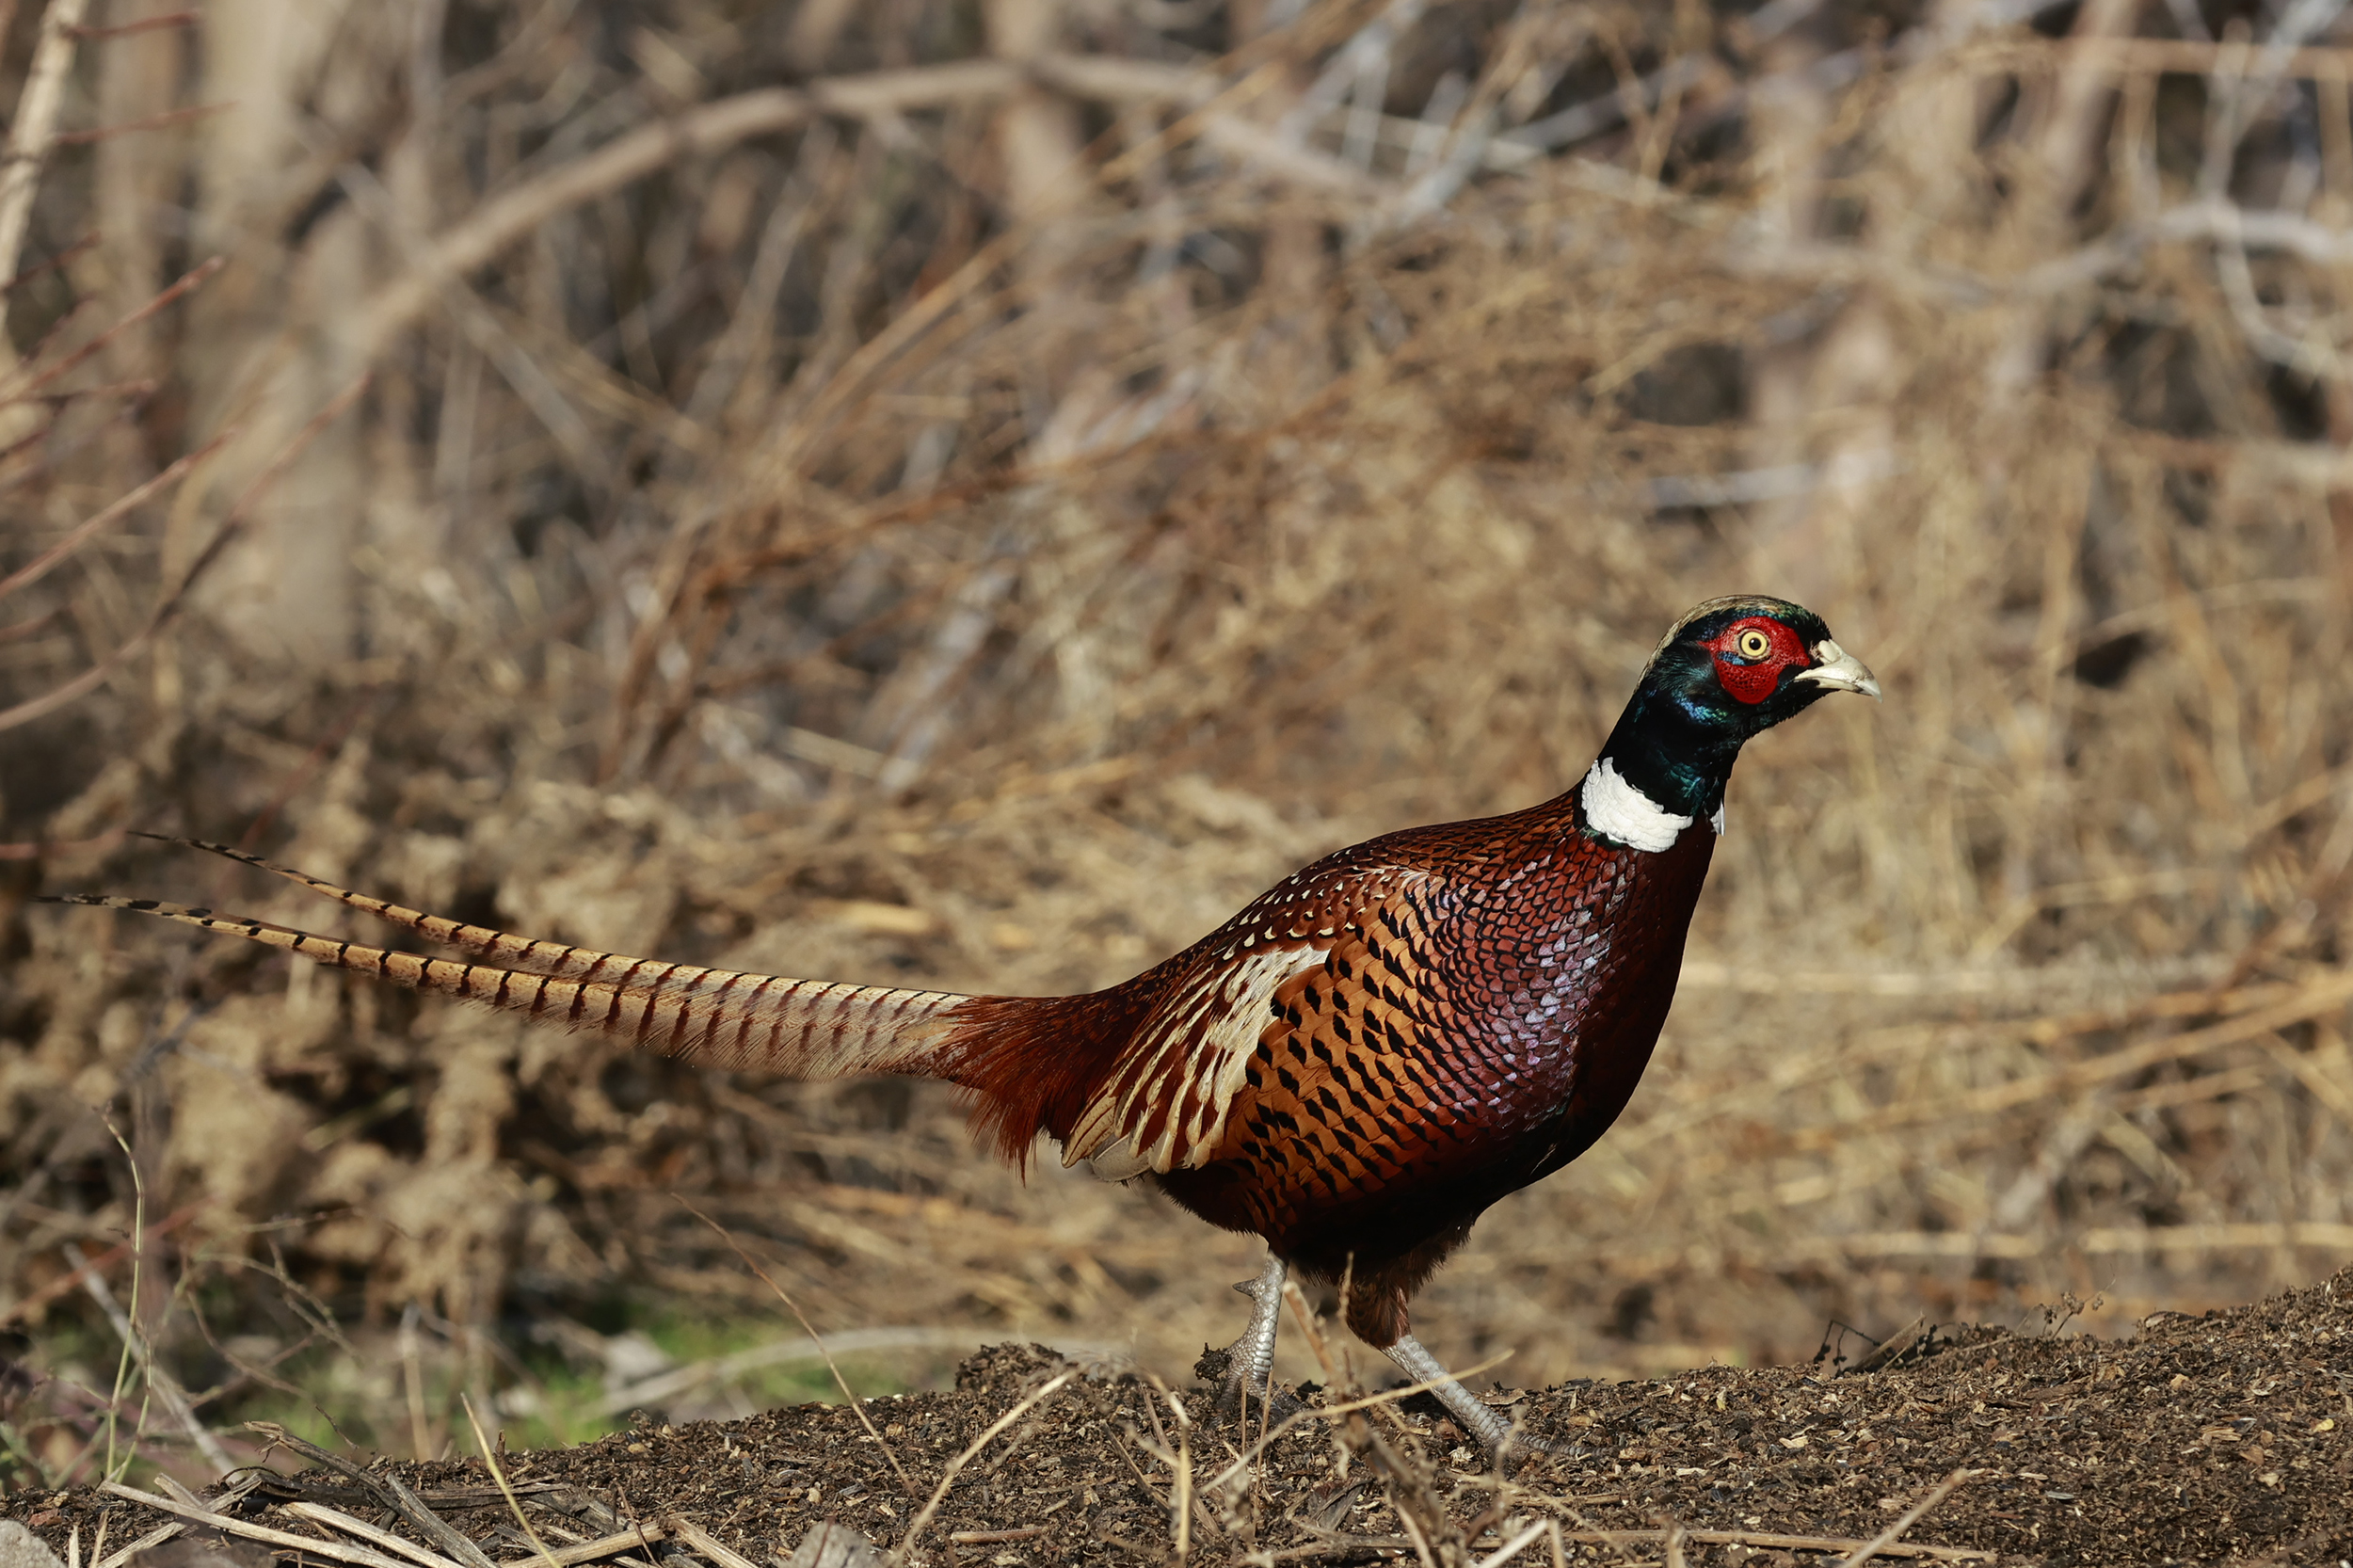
(1840, 670)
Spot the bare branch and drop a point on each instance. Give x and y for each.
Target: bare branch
(35, 128)
(504, 220)
(39, 565)
(58, 696)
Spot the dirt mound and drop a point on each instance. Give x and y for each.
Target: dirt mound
(2207, 1439)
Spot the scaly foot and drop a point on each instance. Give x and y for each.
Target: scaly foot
(1265, 1401)
(1472, 1413)
(1243, 1371)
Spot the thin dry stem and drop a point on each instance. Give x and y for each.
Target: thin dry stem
(972, 1451)
(33, 131)
(849, 1395)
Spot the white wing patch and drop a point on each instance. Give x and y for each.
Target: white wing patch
(1207, 1031)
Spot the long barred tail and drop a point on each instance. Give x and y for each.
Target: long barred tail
(719, 1017)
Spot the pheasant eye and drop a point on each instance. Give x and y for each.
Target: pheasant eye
(1752, 643)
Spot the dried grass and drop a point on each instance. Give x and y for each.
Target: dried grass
(863, 541)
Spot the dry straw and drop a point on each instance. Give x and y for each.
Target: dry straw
(976, 514)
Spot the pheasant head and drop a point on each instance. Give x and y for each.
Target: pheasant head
(1730, 669)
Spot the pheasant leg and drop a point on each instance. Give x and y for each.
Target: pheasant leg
(1250, 1360)
(1492, 1430)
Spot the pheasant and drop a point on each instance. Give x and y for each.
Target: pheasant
(1353, 1067)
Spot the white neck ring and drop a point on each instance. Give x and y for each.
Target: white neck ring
(1616, 809)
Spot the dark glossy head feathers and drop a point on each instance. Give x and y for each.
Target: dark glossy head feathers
(1730, 669)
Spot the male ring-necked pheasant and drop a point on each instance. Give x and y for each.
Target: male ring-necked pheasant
(1355, 1066)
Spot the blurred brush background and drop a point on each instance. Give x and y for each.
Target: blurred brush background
(965, 493)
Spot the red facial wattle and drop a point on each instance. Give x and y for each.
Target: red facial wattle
(1754, 680)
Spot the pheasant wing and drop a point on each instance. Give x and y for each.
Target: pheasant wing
(1315, 1003)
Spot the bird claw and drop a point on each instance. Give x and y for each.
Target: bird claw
(1524, 1449)
(1269, 1404)
(1224, 1368)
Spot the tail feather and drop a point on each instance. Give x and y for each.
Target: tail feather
(1027, 1062)
(717, 1017)
(524, 954)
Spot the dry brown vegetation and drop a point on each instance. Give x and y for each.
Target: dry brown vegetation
(980, 511)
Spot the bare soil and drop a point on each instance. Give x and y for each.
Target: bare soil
(2214, 1439)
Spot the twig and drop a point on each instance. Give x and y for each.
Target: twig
(1381, 1547)
(1895, 1345)
(504, 220)
(116, 1253)
(1905, 1520)
(708, 1545)
(839, 1382)
(145, 122)
(145, 25)
(57, 697)
(1251, 71)
(1184, 1501)
(1296, 1298)
(531, 381)
(972, 1451)
(412, 1508)
(58, 262)
(1788, 1542)
(1137, 1470)
(195, 278)
(172, 1487)
(35, 130)
(412, 1381)
(589, 1551)
(1416, 1538)
(2307, 1001)
(1180, 1487)
(155, 1537)
(135, 1348)
(39, 567)
(361, 1556)
(334, 1519)
(498, 1474)
(394, 1494)
(1356, 1545)
(1519, 1542)
(1610, 110)
(723, 1369)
